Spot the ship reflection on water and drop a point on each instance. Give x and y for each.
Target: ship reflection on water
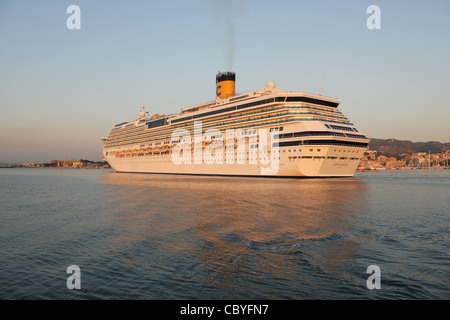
(236, 237)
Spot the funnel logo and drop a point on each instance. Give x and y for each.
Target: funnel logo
(254, 149)
(225, 84)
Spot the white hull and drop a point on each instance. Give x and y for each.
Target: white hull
(324, 163)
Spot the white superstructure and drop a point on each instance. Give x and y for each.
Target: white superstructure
(267, 132)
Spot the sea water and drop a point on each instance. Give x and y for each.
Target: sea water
(152, 236)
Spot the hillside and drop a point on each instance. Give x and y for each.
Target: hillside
(394, 146)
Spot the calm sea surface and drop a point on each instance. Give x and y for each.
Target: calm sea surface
(138, 236)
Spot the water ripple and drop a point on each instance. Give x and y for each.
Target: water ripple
(160, 237)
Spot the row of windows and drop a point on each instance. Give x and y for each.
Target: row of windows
(310, 109)
(116, 133)
(356, 136)
(144, 139)
(242, 106)
(256, 103)
(318, 150)
(131, 155)
(317, 133)
(160, 122)
(331, 126)
(307, 134)
(120, 135)
(156, 123)
(312, 100)
(125, 132)
(276, 129)
(320, 158)
(241, 155)
(322, 142)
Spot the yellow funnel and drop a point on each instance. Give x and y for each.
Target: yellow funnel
(225, 84)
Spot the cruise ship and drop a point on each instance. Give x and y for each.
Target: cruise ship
(265, 132)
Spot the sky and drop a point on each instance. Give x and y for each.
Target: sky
(63, 89)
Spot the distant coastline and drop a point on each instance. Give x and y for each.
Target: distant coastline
(62, 164)
(393, 154)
